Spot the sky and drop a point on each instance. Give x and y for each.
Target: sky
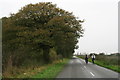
(101, 21)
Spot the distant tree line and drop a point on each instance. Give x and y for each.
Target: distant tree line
(39, 33)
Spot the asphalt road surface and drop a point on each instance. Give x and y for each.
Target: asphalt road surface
(77, 68)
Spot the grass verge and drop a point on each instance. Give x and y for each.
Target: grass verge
(51, 70)
(112, 67)
(44, 71)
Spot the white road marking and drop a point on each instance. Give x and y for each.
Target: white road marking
(85, 67)
(82, 69)
(92, 74)
(79, 61)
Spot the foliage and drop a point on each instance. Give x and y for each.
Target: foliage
(101, 53)
(39, 32)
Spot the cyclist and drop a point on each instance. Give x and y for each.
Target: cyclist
(93, 58)
(86, 59)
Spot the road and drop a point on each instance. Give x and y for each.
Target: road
(77, 68)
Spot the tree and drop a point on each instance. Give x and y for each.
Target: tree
(41, 27)
(53, 27)
(102, 54)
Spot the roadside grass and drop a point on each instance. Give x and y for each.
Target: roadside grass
(30, 72)
(52, 70)
(114, 67)
(45, 71)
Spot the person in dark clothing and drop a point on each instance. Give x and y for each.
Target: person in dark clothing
(86, 59)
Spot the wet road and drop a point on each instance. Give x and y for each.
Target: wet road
(77, 68)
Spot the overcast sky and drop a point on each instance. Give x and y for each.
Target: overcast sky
(101, 21)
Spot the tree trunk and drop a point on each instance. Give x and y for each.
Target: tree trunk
(46, 55)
